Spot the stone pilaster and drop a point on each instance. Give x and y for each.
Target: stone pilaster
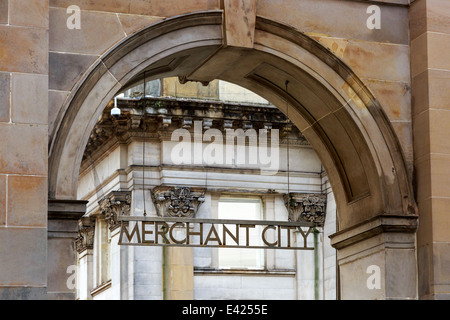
(377, 259)
(178, 262)
(84, 245)
(24, 29)
(63, 217)
(430, 73)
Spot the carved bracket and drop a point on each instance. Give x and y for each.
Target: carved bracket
(310, 207)
(116, 203)
(177, 201)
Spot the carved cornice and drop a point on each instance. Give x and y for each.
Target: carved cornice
(306, 207)
(177, 201)
(156, 118)
(116, 203)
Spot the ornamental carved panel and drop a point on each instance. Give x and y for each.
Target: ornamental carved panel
(177, 201)
(310, 207)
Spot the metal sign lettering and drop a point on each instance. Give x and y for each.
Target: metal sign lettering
(193, 232)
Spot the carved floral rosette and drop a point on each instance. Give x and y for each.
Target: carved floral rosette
(310, 207)
(177, 201)
(116, 203)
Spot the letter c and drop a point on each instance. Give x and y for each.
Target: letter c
(264, 237)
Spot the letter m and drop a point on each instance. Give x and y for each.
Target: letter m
(124, 230)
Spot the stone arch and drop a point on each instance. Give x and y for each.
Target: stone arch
(327, 101)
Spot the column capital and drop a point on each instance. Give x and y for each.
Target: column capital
(310, 207)
(177, 201)
(114, 204)
(86, 232)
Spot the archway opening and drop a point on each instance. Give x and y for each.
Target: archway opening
(327, 102)
(264, 168)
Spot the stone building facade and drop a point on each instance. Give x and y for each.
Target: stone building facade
(370, 99)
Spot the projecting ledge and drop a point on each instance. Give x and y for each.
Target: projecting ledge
(374, 227)
(66, 209)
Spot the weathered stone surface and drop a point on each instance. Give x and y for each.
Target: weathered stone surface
(60, 257)
(424, 232)
(169, 8)
(424, 274)
(429, 15)
(341, 19)
(23, 257)
(423, 183)
(96, 5)
(378, 61)
(438, 12)
(134, 22)
(23, 49)
(29, 13)
(432, 179)
(63, 217)
(29, 143)
(99, 31)
(152, 53)
(438, 48)
(440, 164)
(441, 221)
(3, 187)
(179, 273)
(434, 280)
(55, 102)
(441, 253)
(23, 293)
(29, 98)
(394, 97)
(427, 52)
(401, 285)
(439, 131)
(391, 252)
(403, 129)
(417, 18)
(419, 55)
(33, 211)
(158, 8)
(337, 45)
(65, 69)
(420, 93)
(430, 90)
(5, 96)
(93, 98)
(352, 161)
(4, 11)
(431, 132)
(240, 19)
(430, 42)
